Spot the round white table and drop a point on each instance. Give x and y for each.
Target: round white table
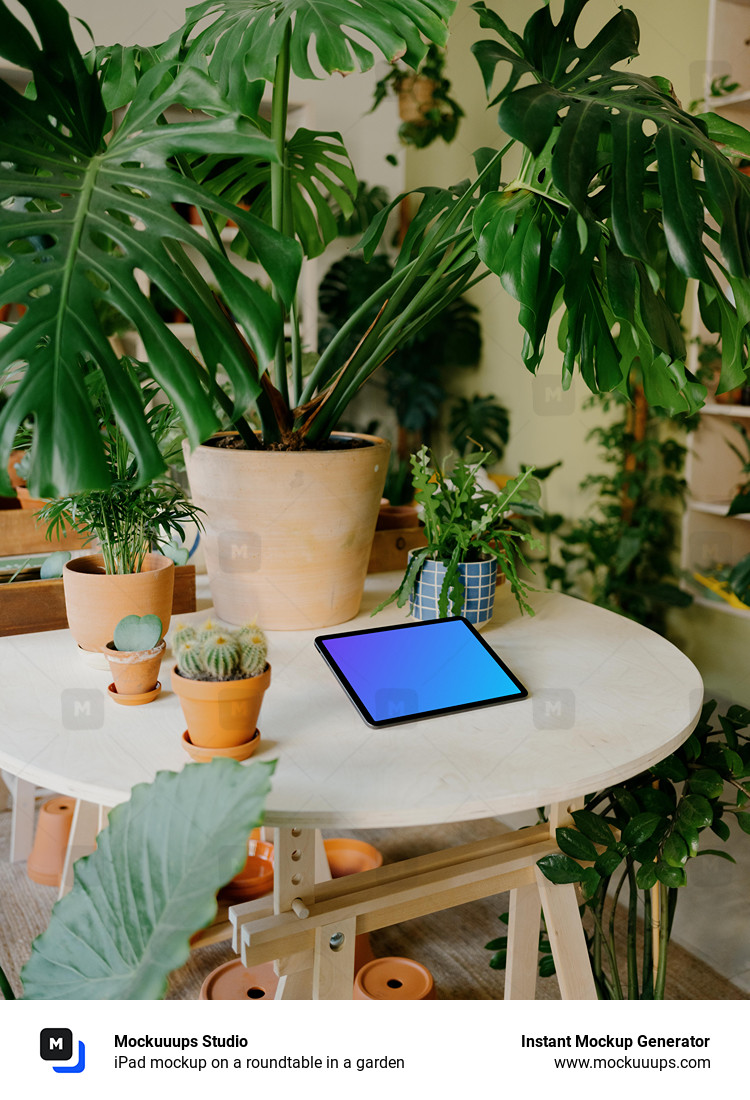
(607, 698)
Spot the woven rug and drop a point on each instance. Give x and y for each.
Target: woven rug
(450, 944)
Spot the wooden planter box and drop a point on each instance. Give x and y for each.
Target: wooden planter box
(27, 606)
(390, 548)
(21, 534)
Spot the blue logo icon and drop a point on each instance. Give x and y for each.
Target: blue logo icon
(56, 1045)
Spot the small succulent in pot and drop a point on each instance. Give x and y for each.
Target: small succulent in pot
(466, 525)
(134, 656)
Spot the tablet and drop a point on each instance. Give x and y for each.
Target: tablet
(417, 670)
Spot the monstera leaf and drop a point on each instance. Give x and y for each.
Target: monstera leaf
(245, 37)
(84, 218)
(150, 884)
(607, 214)
(320, 174)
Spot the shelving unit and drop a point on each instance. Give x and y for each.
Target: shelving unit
(713, 471)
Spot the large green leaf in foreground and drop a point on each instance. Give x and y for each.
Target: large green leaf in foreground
(87, 222)
(150, 884)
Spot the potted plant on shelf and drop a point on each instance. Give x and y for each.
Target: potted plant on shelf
(611, 235)
(129, 519)
(220, 677)
(134, 657)
(469, 533)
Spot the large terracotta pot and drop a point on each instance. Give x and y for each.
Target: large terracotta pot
(221, 713)
(95, 601)
(288, 533)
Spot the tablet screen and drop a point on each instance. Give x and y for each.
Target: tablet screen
(418, 670)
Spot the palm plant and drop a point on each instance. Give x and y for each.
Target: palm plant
(607, 218)
(128, 519)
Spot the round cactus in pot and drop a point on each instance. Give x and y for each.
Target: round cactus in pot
(221, 676)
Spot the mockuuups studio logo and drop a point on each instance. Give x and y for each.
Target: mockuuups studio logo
(82, 708)
(56, 1045)
(395, 702)
(549, 397)
(554, 709)
(239, 551)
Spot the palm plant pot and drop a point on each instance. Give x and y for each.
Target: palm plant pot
(479, 579)
(221, 713)
(134, 672)
(288, 533)
(95, 601)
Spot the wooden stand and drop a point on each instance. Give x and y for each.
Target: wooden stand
(311, 932)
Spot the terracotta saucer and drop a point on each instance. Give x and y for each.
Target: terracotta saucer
(256, 877)
(234, 982)
(347, 856)
(235, 752)
(133, 700)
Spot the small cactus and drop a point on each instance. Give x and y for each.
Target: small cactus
(214, 653)
(183, 634)
(190, 661)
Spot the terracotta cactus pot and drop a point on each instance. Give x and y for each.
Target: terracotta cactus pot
(221, 713)
(95, 601)
(134, 672)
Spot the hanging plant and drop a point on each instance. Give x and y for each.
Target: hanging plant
(426, 109)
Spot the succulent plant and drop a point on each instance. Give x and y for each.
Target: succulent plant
(213, 652)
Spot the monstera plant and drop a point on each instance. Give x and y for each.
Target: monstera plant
(606, 220)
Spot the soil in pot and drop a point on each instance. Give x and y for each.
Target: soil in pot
(95, 601)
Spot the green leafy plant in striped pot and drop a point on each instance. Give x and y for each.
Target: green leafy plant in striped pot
(470, 532)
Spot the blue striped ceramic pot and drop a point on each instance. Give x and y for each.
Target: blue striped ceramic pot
(479, 579)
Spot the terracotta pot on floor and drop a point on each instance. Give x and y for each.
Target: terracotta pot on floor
(47, 857)
(221, 713)
(288, 533)
(95, 601)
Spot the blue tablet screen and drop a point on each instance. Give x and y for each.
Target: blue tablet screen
(397, 673)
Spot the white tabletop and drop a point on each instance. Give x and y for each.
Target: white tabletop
(607, 699)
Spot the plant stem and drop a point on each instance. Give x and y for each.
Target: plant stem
(279, 112)
(647, 991)
(632, 928)
(661, 972)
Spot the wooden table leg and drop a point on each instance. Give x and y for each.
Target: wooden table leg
(523, 944)
(565, 931)
(22, 819)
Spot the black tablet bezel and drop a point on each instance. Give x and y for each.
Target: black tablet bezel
(440, 711)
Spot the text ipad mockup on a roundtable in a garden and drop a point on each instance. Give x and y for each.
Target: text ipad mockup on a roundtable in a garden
(418, 670)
